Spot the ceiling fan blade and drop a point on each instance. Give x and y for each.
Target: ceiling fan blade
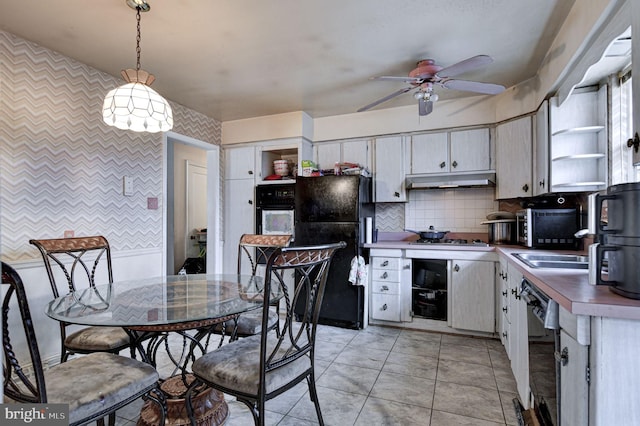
(474, 86)
(386, 98)
(464, 66)
(411, 80)
(424, 107)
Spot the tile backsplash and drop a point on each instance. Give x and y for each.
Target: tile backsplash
(455, 210)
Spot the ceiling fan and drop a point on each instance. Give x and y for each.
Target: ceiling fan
(427, 73)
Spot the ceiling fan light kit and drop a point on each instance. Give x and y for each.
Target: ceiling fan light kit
(135, 105)
(427, 73)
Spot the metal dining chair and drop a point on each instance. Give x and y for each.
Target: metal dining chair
(260, 367)
(253, 252)
(94, 386)
(79, 260)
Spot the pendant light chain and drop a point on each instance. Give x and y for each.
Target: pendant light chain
(138, 40)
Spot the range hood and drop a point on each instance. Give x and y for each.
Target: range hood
(452, 180)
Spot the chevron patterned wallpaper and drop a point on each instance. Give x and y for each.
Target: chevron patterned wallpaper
(61, 167)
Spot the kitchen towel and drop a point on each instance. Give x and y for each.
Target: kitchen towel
(368, 229)
(358, 273)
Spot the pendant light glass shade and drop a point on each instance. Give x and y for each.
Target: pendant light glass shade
(137, 107)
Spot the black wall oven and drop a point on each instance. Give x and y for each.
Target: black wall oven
(275, 209)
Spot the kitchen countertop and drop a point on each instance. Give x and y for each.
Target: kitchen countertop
(569, 287)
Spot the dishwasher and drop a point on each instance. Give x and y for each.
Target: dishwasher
(544, 365)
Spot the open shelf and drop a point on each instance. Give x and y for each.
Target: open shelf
(570, 184)
(579, 130)
(595, 155)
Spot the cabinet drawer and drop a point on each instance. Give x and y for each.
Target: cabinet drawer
(384, 287)
(385, 275)
(385, 307)
(385, 263)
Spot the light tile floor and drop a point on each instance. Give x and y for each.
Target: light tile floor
(387, 376)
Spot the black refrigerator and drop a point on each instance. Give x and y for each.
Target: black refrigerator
(330, 209)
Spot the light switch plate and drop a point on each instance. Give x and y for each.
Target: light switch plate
(152, 203)
(127, 185)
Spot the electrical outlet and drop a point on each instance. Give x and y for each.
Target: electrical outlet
(69, 234)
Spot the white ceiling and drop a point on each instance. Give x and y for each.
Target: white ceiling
(246, 58)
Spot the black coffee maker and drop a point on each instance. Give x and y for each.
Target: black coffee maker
(617, 236)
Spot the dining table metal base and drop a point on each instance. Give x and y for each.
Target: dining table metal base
(210, 408)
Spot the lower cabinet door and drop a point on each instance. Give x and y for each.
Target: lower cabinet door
(385, 307)
(574, 389)
(473, 295)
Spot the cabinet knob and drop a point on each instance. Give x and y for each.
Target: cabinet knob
(456, 268)
(396, 194)
(541, 183)
(250, 201)
(385, 263)
(384, 288)
(454, 164)
(384, 307)
(384, 275)
(250, 172)
(562, 357)
(505, 309)
(504, 293)
(634, 142)
(504, 277)
(525, 187)
(504, 334)
(442, 165)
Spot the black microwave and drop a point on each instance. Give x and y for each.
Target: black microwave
(548, 228)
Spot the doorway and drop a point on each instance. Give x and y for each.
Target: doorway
(192, 194)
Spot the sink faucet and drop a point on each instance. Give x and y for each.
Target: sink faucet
(581, 233)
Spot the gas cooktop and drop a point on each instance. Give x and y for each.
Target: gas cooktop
(452, 242)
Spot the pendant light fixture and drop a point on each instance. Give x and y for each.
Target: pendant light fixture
(136, 106)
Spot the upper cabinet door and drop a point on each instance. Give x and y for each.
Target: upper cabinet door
(390, 169)
(541, 183)
(430, 153)
(240, 163)
(470, 150)
(357, 152)
(635, 70)
(513, 158)
(328, 154)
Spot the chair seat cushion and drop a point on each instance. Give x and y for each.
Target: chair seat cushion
(236, 366)
(96, 382)
(99, 339)
(249, 323)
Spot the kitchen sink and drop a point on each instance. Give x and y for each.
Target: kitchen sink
(561, 261)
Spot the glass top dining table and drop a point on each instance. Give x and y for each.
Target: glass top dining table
(162, 301)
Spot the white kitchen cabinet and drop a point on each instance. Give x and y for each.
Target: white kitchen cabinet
(386, 278)
(293, 150)
(518, 335)
(513, 158)
(430, 153)
(350, 151)
(502, 310)
(541, 181)
(450, 152)
(574, 387)
(389, 172)
(579, 141)
(470, 150)
(240, 162)
(239, 213)
(473, 295)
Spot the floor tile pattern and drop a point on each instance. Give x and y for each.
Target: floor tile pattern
(387, 376)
